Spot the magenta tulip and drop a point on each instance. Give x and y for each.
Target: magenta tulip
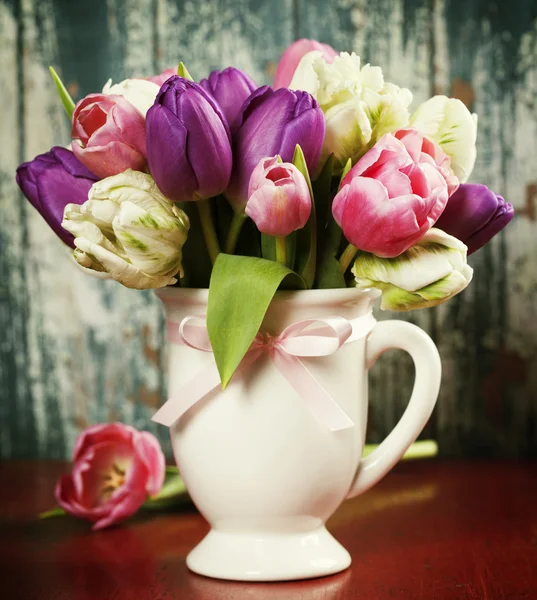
(115, 468)
(279, 200)
(390, 198)
(292, 56)
(474, 215)
(108, 135)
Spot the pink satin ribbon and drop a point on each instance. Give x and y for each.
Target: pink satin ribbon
(308, 338)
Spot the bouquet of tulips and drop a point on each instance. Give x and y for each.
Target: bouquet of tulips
(325, 180)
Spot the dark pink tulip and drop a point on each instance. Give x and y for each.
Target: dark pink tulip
(53, 180)
(292, 56)
(188, 142)
(390, 198)
(109, 135)
(115, 468)
(229, 88)
(474, 215)
(270, 123)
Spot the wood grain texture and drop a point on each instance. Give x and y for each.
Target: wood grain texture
(431, 530)
(77, 350)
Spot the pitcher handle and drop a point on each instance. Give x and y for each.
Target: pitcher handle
(385, 336)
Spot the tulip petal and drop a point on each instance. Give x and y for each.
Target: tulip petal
(108, 160)
(166, 155)
(150, 453)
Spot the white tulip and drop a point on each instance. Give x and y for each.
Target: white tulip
(453, 127)
(129, 230)
(138, 92)
(427, 274)
(359, 106)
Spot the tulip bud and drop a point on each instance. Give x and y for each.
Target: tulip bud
(128, 229)
(188, 142)
(108, 135)
(273, 123)
(474, 215)
(428, 274)
(139, 92)
(392, 196)
(293, 55)
(360, 107)
(279, 200)
(229, 88)
(450, 124)
(53, 180)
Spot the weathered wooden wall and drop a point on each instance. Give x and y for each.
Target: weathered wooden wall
(75, 350)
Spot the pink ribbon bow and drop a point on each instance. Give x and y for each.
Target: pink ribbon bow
(308, 338)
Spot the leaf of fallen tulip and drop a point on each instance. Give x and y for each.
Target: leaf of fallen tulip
(65, 97)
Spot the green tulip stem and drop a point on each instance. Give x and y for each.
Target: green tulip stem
(207, 226)
(347, 257)
(234, 232)
(281, 251)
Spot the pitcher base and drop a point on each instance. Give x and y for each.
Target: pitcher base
(268, 557)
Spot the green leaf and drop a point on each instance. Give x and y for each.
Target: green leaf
(196, 261)
(306, 250)
(54, 512)
(182, 71)
(240, 293)
(65, 97)
(421, 449)
(346, 169)
(329, 274)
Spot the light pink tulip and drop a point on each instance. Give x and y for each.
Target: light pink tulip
(392, 196)
(108, 135)
(292, 56)
(279, 200)
(115, 468)
(162, 77)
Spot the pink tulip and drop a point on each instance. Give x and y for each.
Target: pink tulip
(115, 468)
(424, 150)
(162, 77)
(108, 135)
(278, 197)
(392, 196)
(292, 56)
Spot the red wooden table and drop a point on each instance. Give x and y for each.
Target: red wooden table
(431, 530)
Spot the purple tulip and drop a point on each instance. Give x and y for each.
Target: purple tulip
(474, 214)
(229, 88)
(53, 180)
(270, 123)
(188, 142)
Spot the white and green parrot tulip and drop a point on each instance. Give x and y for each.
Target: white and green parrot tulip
(453, 127)
(427, 274)
(129, 230)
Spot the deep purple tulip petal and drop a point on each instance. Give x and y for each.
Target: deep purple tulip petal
(207, 145)
(166, 154)
(230, 88)
(474, 214)
(307, 129)
(53, 180)
(57, 189)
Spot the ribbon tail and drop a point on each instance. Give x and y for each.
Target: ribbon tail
(182, 399)
(325, 409)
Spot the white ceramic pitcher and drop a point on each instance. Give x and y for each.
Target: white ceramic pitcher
(260, 467)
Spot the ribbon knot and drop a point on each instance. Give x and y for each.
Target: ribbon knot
(307, 338)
